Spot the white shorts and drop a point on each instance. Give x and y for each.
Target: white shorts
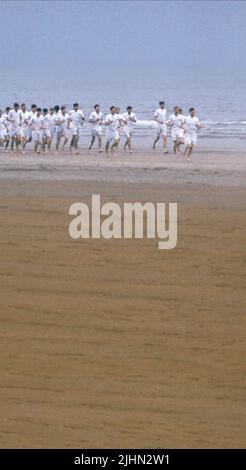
(75, 130)
(161, 130)
(176, 134)
(37, 135)
(3, 134)
(46, 134)
(182, 135)
(63, 133)
(128, 131)
(96, 131)
(22, 132)
(28, 133)
(14, 131)
(190, 138)
(112, 135)
(53, 131)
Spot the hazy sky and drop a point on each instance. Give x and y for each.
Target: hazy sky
(103, 38)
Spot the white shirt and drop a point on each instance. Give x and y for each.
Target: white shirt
(96, 119)
(46, 121)
(25, 118)
(36, 122)
(160, 115)
(176, 121)
(31, 115)
(14, 117)
(2, 124)
(128, 119)
(120, 120)
(62, 120)
(51, 120)
(191, 123)
(56, 118)
(5, 116)
(76, 117)
(113, 121)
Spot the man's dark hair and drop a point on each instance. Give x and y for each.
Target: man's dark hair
(112, 107)
(56, 108)
(45, 110)
(23, 104)
(33, 106)
(16, 105)
(129, 107)
(96, 105)
(191, 109)
(75, 104)
(63, 107)
(39, 110)
(161, 102)
(8, 108)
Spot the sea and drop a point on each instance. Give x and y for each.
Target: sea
(220, 100)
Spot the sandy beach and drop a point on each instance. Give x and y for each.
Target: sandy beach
(114, 343)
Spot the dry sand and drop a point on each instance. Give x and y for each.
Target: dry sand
(116, 343)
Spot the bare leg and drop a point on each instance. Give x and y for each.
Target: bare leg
(49, 141)
(76, 145)
(189, 150)
(58, 140)
(17, 141)
(155, 141)
(114, 146)
(92, 142)
(23, 140)
(72, 143)
(178, 146)
(65, 142)
(99, 142)
(12, 144)
(130, 144)
(165, 144)
(7, 143)
(36, 147)
(107, 146)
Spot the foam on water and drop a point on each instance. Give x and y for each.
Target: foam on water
(221, 107)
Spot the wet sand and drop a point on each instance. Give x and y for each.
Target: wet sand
(206, 167)
(114, 343)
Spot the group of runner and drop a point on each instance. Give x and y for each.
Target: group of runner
(18, 127)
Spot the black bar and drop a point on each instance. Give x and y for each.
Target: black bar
(117, 458)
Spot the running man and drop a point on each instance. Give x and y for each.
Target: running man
(176, 123)
(112, 134)
(36, 125)
(160, 118)
(46, 130)
(192, 125)
(31, 115)
(25, 130)
(14, 118)
(121, 123)
(62, 123)
(3, 130)
(129, 118)
(76, 120)
(96, 119)
(182, 129)
(7, 124)
(52, 124)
